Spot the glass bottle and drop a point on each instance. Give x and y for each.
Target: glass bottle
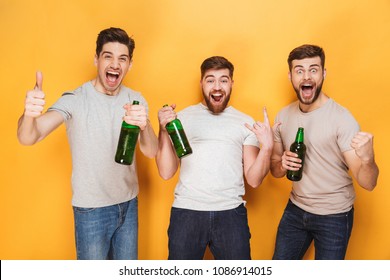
(299, 148)
(178, 136)
(127, 142)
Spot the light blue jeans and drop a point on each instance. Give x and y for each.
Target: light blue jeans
(107, 232)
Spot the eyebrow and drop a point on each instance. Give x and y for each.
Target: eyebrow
(301, 66)
(212, 76)
(107, 52)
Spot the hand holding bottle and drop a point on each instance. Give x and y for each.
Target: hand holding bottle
(175, 130)
(35, 99)
(136, 115)
(166, 114)
(297, 148)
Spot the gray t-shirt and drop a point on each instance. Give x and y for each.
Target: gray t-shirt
(211, 178)
(93, 122)
(326, 186)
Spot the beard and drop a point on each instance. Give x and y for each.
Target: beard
(216, 108)
(312, 99)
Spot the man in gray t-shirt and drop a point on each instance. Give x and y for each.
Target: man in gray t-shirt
(320, 207)
(209, 209)
(104, 193)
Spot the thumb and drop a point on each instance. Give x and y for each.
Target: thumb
(39, 80)
(276, 126)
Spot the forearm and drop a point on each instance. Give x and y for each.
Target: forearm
(259, 169)
(28, 133)
(277, 169)
(166, 159)
(148, 141)
(368, 175)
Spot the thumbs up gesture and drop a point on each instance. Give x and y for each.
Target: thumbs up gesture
(35, 99)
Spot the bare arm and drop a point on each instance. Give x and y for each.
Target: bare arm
(166, 159)
(33, 126)
(361, 160)
(257, 163)
(277, 169)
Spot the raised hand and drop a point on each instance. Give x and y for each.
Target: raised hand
(263, 131)
(136, 115)
(363, 145)
(166, 114)
(35, 99)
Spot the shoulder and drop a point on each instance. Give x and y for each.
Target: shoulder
(238, 114)
(288, 109)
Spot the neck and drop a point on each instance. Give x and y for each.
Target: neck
(321, 100)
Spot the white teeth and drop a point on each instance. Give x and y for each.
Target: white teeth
(217, 94)
(113, 73)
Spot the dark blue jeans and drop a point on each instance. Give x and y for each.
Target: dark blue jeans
(298, 228)
(225, 232)
(107, 232)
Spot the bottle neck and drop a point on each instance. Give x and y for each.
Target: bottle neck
(299, 137)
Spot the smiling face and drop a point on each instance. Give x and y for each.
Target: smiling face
(216, 87)
(112, 64)
(307, 77)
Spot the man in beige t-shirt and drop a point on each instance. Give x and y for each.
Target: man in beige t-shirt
(320, 207)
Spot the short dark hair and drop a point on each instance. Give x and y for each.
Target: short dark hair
(216, 62)
(114, 34)
(306, 51)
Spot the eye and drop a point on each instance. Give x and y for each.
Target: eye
(299, 71)
(209, 81)
(224, 81)
(313, 70)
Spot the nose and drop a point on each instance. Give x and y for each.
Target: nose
(115, 63)
(217, 85)
(307, 75)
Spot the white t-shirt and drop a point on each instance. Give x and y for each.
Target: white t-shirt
(211, 178)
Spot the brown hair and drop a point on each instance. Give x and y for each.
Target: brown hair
(216, 62)
(306, 51)
(114, 34)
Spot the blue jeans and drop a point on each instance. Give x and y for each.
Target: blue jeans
(107, 232)
(225, 232)
(298, 228)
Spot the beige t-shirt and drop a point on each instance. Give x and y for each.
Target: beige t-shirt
(326, 186)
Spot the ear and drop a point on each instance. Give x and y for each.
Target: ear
(324, 74)
(95, 60)
(289, 76)
(130, 65)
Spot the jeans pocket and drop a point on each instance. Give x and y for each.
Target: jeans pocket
(241, 210)
(83, 209)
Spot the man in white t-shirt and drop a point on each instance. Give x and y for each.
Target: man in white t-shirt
(209, 209)
(320, 207)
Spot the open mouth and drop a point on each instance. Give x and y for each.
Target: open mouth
(217, 97)
(112, 76)
(307, 89)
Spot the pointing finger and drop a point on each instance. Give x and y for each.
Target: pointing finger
(266, 120)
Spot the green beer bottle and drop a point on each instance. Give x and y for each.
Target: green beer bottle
(178, 136)
(299, 148)
(127, 142)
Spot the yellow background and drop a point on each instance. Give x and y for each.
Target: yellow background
(172, 38)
